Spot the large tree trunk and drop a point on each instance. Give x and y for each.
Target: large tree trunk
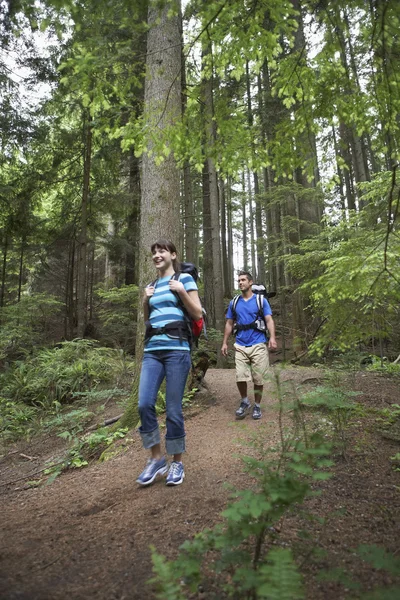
(160, 214)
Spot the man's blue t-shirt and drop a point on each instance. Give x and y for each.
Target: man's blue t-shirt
(164, 308)
(247, 312)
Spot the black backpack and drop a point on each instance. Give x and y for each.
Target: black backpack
(260, 292)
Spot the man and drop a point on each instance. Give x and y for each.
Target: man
(251, 352)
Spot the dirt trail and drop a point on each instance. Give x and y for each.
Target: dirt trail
(88, 534)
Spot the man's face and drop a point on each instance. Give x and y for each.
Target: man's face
(244, 283)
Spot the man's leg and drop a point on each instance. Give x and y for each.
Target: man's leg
(242, 387)
(259, 367)
(258, 392)
(243, 375)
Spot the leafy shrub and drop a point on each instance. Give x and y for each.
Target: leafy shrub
(28, 324)
(14, 419)
(55, 375)
(338, 404)
(239, 551)
(117, 315)
(379, 366)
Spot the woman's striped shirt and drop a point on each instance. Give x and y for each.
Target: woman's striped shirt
(164, 307)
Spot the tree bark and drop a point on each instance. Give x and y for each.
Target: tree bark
(160, 206)
(83, 236)
(216, 314)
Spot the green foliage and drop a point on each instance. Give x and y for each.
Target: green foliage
(117, 315)
(26, 325)
(56, 374)
(379, 559)
(338, 404)
(84, 449)
(246, 565)
(350, 274)
(15, 419)
(383, 366)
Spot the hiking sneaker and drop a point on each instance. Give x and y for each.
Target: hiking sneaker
(242, 410)
(176, 474)
(256, 412)
(153, 468)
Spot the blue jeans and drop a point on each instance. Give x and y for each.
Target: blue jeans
(174, 365)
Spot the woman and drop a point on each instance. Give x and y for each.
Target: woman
(166, 354)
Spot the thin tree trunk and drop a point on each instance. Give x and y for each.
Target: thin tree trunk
(131, 266)
(83, 239)
(224, 241)
(4, 271)
(21, 269)
(244, 226)
(259, 265)
(217, 313)
(207, 247)
(251, 226)
(231, 273)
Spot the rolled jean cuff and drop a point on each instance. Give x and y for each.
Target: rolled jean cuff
(175, 446)
(150, 439)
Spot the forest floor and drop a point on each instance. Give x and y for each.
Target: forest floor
(87, 535)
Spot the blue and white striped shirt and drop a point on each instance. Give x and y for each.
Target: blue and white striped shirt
(164, 308)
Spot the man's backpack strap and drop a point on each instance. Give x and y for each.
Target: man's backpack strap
(235, 300)
(260, 303)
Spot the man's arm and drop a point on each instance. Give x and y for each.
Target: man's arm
(227, 333)
(271, 329)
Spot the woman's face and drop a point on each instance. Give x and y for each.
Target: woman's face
(162, 258)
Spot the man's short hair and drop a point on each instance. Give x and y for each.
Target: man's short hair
(248, 275)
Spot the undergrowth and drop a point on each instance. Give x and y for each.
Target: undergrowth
(243, 557)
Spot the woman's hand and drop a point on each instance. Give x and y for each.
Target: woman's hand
(176, 286)
(148, 292)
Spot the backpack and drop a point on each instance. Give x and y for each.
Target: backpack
(260, 292)
(192, 328)
(196, 326)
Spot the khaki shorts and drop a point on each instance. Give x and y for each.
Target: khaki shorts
(252, 363)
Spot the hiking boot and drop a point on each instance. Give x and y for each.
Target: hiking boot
(256, 412)
(176, 474)
(153, 468)
(242, 410)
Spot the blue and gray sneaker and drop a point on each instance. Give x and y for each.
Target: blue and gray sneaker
(242, 410)
(176, 474)
(153, 468)
(256, 412)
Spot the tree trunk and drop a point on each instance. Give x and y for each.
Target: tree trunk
(21, 268)
(131, 267)
(259, 265)
(160, 214)
(253, 269)
(216, 315)
(231, 271)
(83, 238)
(224, 242)
(189, 217)
(4, 271)
(246, 266)
(207, 247)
